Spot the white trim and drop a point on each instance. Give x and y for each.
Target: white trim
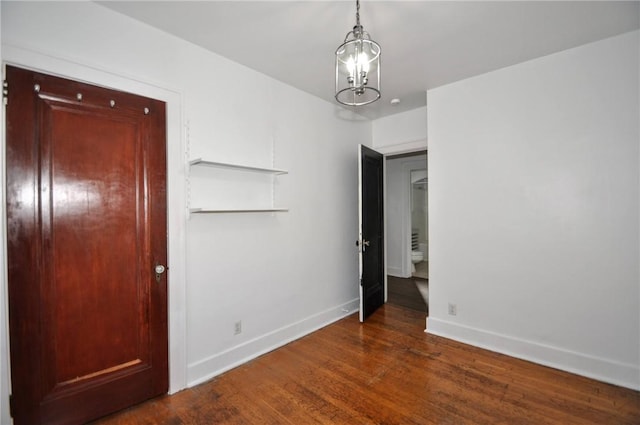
(408, 147)
(176, 189)
(5, 379)
(626, 375)
(212, 366)
(395, 271)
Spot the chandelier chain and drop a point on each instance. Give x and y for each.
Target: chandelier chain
(358, 13)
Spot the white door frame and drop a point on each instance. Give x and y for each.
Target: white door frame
(176, 200)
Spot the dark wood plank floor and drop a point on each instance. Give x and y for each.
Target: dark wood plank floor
(404, 292)
(388, 371)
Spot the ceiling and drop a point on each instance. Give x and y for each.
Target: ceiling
(425, 44)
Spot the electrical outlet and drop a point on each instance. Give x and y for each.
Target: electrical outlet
(453, 309)
(237, 328)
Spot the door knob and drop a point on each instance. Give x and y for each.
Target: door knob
(159, 270)
(365, 244)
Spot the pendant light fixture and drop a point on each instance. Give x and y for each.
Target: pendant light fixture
(358, 67)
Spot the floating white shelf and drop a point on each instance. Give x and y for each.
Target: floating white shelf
(240, 168)
(247, 210)
(200, 161)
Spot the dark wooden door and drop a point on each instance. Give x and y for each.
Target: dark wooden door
(371, 238)
(86, 225)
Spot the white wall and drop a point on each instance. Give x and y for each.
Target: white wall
(402, 132)
(282, 274)
(533, 195)
(398, 212)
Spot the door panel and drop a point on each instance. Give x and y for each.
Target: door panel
(371, 236)
(86, 218)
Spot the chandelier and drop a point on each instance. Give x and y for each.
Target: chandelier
(358, 67)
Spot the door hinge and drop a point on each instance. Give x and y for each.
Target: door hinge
(11, 409)
(5, 92)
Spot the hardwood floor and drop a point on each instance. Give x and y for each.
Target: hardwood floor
(388, 371)
(404, 293)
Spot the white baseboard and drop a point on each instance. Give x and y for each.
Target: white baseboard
(212, 366)
(395, 271)
(621, 374)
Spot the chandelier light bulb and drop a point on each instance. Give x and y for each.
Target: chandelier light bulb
(363, 61)
(351, 65)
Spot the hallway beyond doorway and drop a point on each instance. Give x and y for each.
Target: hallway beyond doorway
(406, 293)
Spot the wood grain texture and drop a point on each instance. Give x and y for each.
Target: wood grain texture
(388, 371)
(86, 220)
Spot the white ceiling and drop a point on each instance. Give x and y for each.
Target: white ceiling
(425, 44)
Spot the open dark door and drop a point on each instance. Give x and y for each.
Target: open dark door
(371, 236)
(86, 249)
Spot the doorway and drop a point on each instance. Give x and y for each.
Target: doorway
(407, 230)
